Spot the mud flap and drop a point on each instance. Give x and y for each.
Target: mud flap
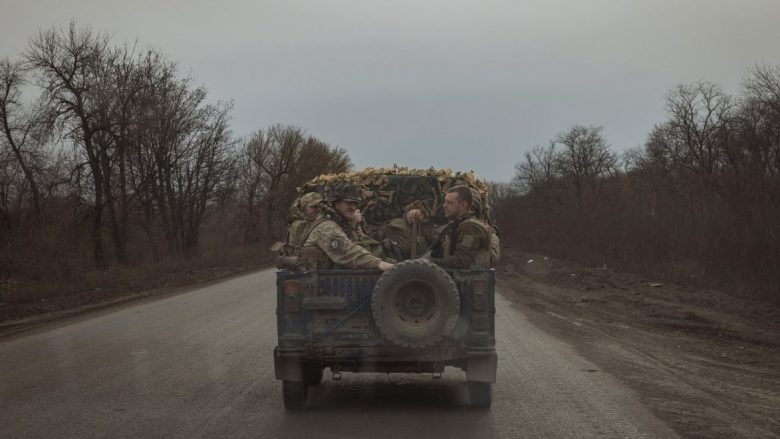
(288, 365)
(481, 367)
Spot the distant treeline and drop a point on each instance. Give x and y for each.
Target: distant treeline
(109, 156)
(700, 201)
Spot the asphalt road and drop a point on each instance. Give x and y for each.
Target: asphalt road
(199, 364)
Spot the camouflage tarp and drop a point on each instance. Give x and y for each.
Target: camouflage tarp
(388, 192)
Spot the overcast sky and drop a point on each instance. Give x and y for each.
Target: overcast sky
(466, 85)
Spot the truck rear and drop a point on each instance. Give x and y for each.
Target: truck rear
(416, 318)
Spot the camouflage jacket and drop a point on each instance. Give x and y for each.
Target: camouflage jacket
(295, 234)
(464, 243)
(356, 232)
(328, 246)
(399, 232)
(347, 226)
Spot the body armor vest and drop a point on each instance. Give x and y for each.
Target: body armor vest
(489, 256)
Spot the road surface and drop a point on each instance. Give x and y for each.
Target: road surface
(200, 364)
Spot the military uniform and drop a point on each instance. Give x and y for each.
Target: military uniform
(464, 243)
(295, 233)
(326, 246)
(297, 228)
(399, 232)
(352, 228)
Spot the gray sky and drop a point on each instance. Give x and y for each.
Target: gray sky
(466, 85)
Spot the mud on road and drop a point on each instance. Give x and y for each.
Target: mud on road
(705, 362)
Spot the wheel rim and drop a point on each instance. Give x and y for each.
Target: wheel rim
(416, 303)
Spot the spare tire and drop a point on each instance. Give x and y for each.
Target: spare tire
(415, 304)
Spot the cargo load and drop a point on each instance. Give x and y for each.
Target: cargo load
(387, 193)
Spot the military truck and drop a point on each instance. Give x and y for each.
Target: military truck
(415, 318)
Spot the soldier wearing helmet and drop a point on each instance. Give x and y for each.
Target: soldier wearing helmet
(326, 245)
(345, 202)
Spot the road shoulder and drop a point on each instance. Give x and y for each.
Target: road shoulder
(702, 361)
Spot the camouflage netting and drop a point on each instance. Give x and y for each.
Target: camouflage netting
(389, 192)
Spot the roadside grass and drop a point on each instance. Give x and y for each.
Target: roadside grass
(25, 297)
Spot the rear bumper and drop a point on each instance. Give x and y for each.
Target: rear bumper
(480, 364)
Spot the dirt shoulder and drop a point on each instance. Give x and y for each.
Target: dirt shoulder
(705, 362)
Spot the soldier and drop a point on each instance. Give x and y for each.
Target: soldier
(400, 234)
(327, 246)
(466, 241)
(345, 204)
(308, 206)
(346, 214)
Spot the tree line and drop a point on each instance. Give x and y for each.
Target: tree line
(699, 201)
(109, 155)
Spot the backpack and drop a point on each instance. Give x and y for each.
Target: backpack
(493, 254)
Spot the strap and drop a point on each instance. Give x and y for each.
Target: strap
(481, 224)
(311, 228)
(358, 306)
(488, 261)
(415, 234)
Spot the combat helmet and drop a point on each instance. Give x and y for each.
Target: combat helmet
(311, 199)
(344, 191)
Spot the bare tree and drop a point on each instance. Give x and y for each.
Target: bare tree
(117, 103)
(181, 154)
(21, 126)
(275, 152)
(204, 168)
(538, 170)
(67, 63)
(7, 177)
(585, 157)
(277, 161)
(699, 126)
(250, 180)
(500, 194)
(760, 120)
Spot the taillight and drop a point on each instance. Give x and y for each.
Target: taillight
(291, 288)
(291, 292)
